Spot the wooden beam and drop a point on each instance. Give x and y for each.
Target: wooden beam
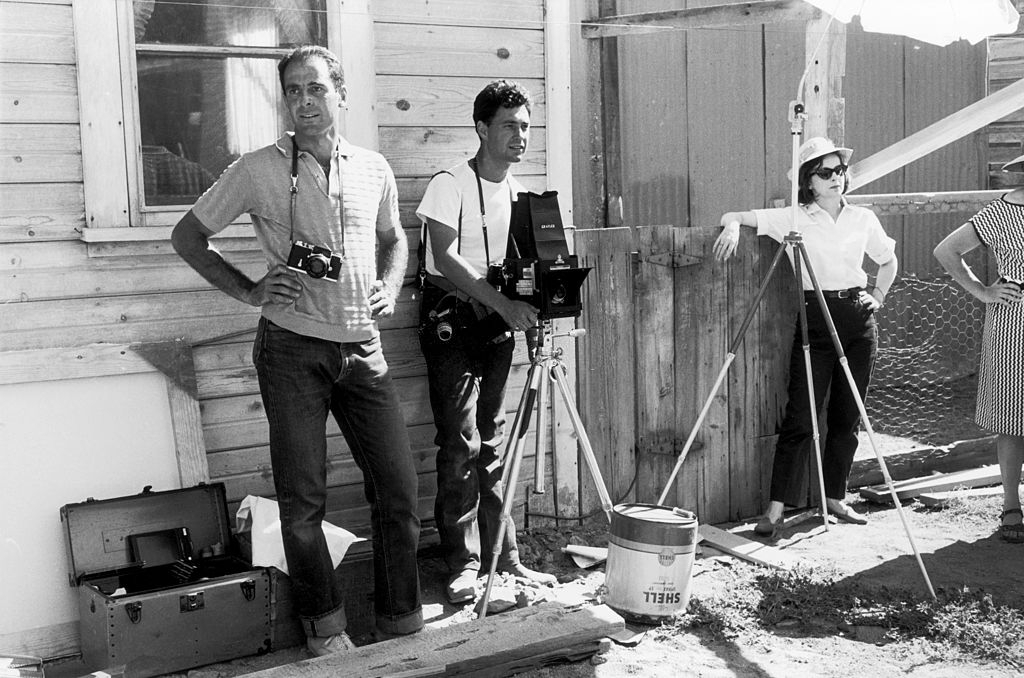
(965, 121)
(949, 202)
(945, 498)
(824, 105)
(494, 646)
(712, 16)
(754, 551)
(908, 489)
(920, 461)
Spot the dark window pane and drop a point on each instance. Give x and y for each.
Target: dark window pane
(237, 23)
(197, 115)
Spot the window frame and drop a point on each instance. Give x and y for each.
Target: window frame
(109, 112)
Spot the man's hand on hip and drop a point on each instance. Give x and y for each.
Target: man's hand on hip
(279, 286)
(382, 300)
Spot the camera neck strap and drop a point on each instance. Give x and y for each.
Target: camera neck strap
(483, 210)
(294, 191)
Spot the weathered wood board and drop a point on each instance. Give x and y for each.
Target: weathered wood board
(513, 640)
(908, 489)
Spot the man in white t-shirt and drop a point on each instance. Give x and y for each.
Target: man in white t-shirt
(467, 339)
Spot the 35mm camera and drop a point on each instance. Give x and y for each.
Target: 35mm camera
(314, 260)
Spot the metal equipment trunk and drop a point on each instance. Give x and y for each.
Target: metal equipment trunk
(160, 588)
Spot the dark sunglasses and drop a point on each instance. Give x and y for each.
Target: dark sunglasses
(825, 173)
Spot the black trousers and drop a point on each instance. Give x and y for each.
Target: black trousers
(858, 335)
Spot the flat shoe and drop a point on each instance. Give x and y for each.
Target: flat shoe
(766, 528)
(848, 515)
(1012, 534)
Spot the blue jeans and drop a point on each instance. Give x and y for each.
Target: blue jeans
(467, 395)
(301, 380)
(858, 336)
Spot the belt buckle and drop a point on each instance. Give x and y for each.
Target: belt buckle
(843, 294)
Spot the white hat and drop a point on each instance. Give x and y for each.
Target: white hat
(817, 147)
(1015, 165)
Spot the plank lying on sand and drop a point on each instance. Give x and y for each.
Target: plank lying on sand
(940, 499)
(500, 645)
(919, 462)
(754, 551)
(908, 489)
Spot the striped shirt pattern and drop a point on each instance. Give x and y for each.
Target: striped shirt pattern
(1000, 405)
(343, 214)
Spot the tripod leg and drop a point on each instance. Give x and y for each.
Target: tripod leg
(730, 356)
(558, 373)
(815, 433)
(510, 472)
(864, 417)
(541, 440)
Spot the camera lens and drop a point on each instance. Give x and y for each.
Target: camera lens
(559, 294)
(444, 330)
(317, 266)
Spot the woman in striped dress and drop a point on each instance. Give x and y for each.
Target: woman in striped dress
(1000, 408)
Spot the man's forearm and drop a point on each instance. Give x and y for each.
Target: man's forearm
(193, 245)
(394, 257)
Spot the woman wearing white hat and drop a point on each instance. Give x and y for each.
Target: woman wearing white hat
(836, 236)
(1000, 406)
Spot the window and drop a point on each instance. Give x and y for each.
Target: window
(172, 91)
(208, 85)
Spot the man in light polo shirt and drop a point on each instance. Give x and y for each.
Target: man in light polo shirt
(320, 206)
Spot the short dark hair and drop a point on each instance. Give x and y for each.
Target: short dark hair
(804, 194)
(499, 94)
(306, 52)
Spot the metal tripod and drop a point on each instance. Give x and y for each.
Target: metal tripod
(545, 364)
(795, 240)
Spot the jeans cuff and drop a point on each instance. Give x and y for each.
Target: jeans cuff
(329, 624)
(402, 625)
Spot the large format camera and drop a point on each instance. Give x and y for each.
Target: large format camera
(538, 268)
(314, 261)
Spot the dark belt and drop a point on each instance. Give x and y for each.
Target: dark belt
(849, 293)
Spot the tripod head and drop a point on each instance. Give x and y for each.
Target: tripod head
(539, 336)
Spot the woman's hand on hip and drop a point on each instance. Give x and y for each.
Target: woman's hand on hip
(1002, 292)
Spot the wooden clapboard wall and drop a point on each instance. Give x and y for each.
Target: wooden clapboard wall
(430, 59)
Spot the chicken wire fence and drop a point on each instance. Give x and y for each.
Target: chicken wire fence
(924, 382)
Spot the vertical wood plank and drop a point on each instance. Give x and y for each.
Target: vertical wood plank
(351, 36)
(607, 360)
(825, 47)
(729, 122)
(653, 111)
(558, 97)
(658, 425)
(588, 148)
(101, 113)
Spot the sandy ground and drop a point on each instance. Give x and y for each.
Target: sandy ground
(956, 551)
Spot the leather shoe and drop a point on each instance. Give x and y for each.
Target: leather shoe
(848, 515)
(462, 587)
(769, 528)
(337, 644)
(522, 572)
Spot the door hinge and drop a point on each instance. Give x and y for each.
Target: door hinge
(672, 259)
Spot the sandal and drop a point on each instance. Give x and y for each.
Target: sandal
(1013, 534)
